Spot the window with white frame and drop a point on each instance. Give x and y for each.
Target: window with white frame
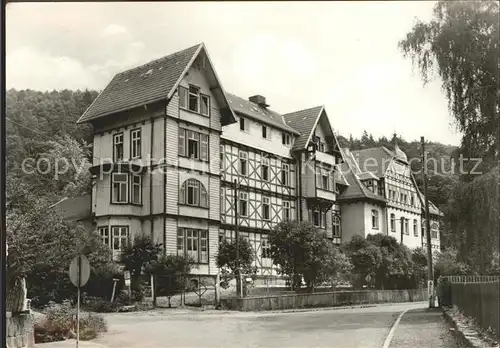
(393, 223)
(243, 168)
(193, 243)
(264, 132)
(265, 169)
(415, 227)
(286, 211)
(407, 227)
(135, 139)
(205, 104)
(266, 208)
(120, 238)
(324, 181)
(265, 247)
(285, 174)
(286, 139)
(118, 147)
(318, 218)
(243, 204)
(194, 98)
(412, 200)
(104, 234)
(336, 226)
(192, 192)
(375, 219)
(119, 188)
(136, 189)
(193, 144)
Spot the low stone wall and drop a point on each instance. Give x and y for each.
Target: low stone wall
(324, 299)
(20, 331)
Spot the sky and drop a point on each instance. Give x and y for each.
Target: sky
(342, 55)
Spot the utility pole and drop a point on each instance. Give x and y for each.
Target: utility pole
(237, 233)
(430, 273)
(402, 220)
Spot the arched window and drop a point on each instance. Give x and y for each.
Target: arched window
(336, 226)
(375, 219)
(192, 192)
(393, 223)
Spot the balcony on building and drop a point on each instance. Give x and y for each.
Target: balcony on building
(325, 157)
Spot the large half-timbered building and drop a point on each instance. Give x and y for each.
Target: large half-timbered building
(178, 158)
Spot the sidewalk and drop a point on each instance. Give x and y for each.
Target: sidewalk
(424, 328)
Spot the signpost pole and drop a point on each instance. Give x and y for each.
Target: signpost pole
(79, 273)
(78, 301)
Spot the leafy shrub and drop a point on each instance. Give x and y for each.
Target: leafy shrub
(59, 324)
(100, 305)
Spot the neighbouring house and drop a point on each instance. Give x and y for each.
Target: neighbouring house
(171, 148)
(76, 209)
(383, 197)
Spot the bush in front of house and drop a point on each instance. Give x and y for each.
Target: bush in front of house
(59, 324)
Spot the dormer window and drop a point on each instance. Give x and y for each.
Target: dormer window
(286, 139)
(243, 125)
(264, 132)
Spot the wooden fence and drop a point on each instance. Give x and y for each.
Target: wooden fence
(478, 298)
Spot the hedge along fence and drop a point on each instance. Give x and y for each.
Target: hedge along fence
(479, 301)
(324, 299)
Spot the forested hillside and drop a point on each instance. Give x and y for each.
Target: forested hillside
(43, 124)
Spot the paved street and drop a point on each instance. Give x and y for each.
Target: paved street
(343, 328)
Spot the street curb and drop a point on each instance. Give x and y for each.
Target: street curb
(467, 335)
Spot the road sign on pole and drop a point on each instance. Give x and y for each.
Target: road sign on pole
(79, 274)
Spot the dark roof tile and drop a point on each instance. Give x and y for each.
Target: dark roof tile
(264, 115)
(141, 85)
(303, 121)
(74, 208)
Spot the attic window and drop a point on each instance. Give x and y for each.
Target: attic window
(264, 132)
(285, 139)
(194, 98)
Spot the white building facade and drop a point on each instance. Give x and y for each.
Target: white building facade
(170, 148)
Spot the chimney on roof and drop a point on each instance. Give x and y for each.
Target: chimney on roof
(259, 100)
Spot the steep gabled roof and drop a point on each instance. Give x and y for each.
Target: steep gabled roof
(148, 83)
(74, 208)
(356, 189)
(304, 122)
(253, 110)
(375, 160)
